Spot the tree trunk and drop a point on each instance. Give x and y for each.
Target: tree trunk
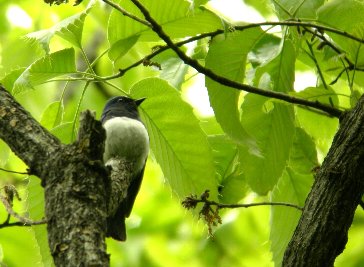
(322, 231)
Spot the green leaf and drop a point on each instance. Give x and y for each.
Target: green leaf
(321, 94)
(287, 9)
(173, 68)
(303, 157)
(292, 188)
(36, 212)
(63, 132)
(8, 80)
(172, 15)
(263, 7)
(50, 66)
(233, 186)
(69, 29)
(350, 13)
(321, 128)
(52, 115)
(228, 58)
(174, 71)
(176, 139)
(280, 69)
(273, 126)
(121, 47)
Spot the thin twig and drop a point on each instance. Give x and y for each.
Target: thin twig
(234, 206)
(314, 59)
(5, 170)
(192, 201)
(227, 82)
(23, 221)
(212, 216)
(28, 223)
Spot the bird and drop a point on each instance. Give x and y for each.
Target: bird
(126, 139)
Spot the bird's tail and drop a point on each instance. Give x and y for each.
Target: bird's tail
(116, 225)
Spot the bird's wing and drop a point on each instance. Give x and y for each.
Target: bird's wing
(132, 192)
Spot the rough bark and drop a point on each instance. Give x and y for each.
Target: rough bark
(76, 196)
(24, 135)
(76, 183)
(322, 231)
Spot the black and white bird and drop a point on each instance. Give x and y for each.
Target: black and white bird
(126, 139)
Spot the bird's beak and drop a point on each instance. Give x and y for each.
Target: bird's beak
(139, 101)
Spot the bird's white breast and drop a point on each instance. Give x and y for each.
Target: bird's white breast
(126, 138)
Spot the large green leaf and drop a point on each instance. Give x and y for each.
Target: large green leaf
(176, 139)
(350, 13)
(176, 18)
(272, 124)
(227, 58)
(50, 66)
(69, 29)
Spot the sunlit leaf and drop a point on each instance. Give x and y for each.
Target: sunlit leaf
(63, 132)
(69, 29)
(228, 58)
(233, 186)
(272, 124)
(176, 139)
(52, 115)
(321, 128)
(121, 47)
(173, 69)
(53, 65)
(279, 68)
(9, 79)
(351, 21)
(321, 94)
(303, 156)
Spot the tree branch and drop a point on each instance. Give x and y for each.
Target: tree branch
(322, 231)
(157, 28)
(24, 135)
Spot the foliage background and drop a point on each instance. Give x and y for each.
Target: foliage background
(160, 231)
